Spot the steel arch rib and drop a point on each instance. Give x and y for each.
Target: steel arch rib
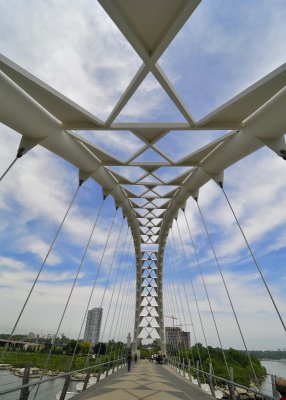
(42, 115)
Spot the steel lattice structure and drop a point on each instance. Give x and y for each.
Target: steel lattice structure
(254, 118)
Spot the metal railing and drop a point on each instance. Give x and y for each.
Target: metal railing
(226, 386)
(61, 382)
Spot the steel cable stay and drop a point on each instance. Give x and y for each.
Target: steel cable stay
(124, 316)
(176, 281)
(70, 293)
(192, 283)
(188, 305)
(253, 257)
(186, 297)
(123, 274)
(107, 282)
(174, 301)
(80, 265)
(39, 272)
(228, 294)
(93, 286)
(123, 319)
(20, 153)
(8, 169)
(208, 299)
(195, 295)
(124, 302)
(75, 280)
(116, 349)
(124, 278)
(169, 295)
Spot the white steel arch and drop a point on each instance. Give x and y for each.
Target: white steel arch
(254, 118)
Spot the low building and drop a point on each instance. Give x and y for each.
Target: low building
(176, 337)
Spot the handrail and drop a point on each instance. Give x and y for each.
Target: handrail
(62, 375)
(186, 366)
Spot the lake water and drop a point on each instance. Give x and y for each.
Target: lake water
(273, 367)
(47, 391)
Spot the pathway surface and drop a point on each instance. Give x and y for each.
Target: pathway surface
(145, 381)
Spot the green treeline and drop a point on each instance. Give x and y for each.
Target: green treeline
(62, 358)
(236, 359)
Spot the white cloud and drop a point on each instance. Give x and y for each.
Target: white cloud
(80, 53)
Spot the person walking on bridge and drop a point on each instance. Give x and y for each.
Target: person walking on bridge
(129, 360)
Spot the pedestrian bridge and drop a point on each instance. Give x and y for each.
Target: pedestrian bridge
(146, 380)
(114, 218)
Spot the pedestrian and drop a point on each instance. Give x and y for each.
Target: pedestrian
(280, 384)
(129, 360)
(135, 358)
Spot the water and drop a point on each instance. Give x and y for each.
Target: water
(273, 367)
(47, 391)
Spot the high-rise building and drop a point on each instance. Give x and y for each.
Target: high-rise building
(92, 326)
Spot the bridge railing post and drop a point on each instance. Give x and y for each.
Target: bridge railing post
(189, 370)
(65, 387)
(86, 379)
(198, 374)
(24, 394)
(211, 380)
(274, 390)
(230, 385)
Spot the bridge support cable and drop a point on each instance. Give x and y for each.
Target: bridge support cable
(20, 153)
(173, 310)
(94, 284)
(68, 300)
(74, 282)
(177, 283)
(108, 279)
(169, 306)
(179, 305)
(8, 169)
(253, 257)
(190, 313)
(39, 272)
(194, 291)
(123, 275)
(122, 315)
(228, 294)
(127, 318)
(209, 302)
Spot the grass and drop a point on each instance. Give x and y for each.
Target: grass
(57, 362)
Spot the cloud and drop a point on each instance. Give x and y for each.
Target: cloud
(81, 53)
(224, 48)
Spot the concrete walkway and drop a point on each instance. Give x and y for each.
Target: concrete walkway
(145, 381)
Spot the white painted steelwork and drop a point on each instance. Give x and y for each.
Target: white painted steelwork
(254, 118)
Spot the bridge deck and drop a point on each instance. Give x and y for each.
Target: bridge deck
(144, 381)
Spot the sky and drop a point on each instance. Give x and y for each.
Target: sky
(75, 47)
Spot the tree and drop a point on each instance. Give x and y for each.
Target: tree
(99, 348)
(71, 347)
(85, 347)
